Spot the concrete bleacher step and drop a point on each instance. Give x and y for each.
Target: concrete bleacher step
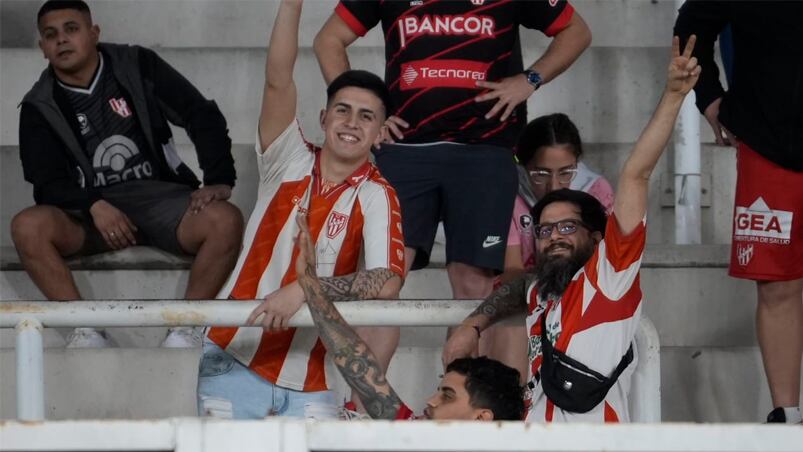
(688, 294)
(114, 383)
(698, 384)
(246, 23)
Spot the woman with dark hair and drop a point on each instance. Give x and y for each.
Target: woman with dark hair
(550, 150)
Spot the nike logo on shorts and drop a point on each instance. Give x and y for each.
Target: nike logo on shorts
(491, 240)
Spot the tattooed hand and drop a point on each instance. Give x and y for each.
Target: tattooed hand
(305, 262)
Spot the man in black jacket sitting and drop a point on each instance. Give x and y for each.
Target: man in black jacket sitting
(96, 145)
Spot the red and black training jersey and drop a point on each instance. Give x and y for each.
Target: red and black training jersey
(436, 51)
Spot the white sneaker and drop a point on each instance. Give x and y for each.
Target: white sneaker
(88, 338)
(181, 337)
(348, 412)
(313, 410)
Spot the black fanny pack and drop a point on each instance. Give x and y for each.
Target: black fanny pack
(570, 384)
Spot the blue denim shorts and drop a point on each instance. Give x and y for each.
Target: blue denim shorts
(228, 389)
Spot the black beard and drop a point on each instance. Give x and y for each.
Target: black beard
(554, 273)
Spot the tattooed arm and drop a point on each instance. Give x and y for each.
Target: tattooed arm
(379, 283)
(506, 301)
(351, 355)
(279, 307)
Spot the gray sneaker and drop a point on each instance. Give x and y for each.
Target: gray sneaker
(88, 338)
(182, 337)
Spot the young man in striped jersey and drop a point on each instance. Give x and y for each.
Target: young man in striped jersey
(352, 211)
(586, 281)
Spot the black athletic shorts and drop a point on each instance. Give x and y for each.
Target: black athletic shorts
(155, 207)
(470, 187)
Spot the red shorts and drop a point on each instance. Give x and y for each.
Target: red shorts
(767, 240)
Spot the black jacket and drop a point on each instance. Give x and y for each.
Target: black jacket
(764, 105)
(51, 147)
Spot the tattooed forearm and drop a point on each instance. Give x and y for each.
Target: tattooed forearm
(353, 358)
(362, 285)
(505, 301)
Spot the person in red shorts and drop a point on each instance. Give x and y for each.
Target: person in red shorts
(762, 115)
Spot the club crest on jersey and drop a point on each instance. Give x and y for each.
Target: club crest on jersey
(744, 254)
(760, 223)
(120, 106)
(83, 122)
(337, 222)
(525, 221)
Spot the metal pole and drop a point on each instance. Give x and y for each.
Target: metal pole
(688, 229)
(30, 371)
(126, 313)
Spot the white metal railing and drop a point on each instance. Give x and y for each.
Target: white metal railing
(293, 435)
(29, 317)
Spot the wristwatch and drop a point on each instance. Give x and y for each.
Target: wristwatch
(533, 78)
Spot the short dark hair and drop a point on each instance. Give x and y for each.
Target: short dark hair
(549, 130)
(55, 5)
(592, 212)
(360, 79)
(492, 385)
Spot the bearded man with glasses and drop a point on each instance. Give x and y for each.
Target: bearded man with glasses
(583, 303)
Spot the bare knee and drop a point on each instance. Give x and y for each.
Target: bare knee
(33, 226)
(40, 229)
(224, 223)
(468, 281)
(778, 294)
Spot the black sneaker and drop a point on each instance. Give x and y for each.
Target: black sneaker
(776, 416)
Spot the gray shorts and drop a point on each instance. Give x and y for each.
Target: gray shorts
(155, 207)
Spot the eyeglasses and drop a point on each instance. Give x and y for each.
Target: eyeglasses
(564, 227)
(564, 176)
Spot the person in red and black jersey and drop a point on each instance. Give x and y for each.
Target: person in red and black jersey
(455, 73)
(472, 389)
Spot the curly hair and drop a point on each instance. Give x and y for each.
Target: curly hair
(492, 385)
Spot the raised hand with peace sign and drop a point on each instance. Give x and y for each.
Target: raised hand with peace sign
(683, 70)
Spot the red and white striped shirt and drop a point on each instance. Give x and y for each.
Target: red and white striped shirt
(361, 216)
(594, 322)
